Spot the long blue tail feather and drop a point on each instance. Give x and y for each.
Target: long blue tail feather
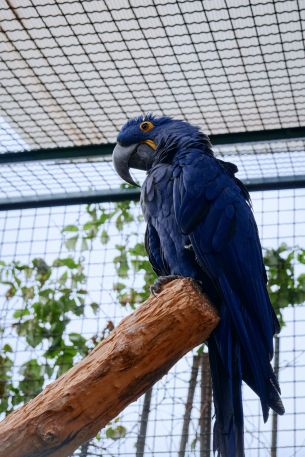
(226, 379)
(238, 351)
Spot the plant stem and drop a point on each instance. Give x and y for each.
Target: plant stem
(274, 415)
(205, 407)
(188, 406)
(84, 449)
(140, 445)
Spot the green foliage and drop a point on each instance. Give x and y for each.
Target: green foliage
(116, 433)
(6, 364)
(131, 261)
(81, 237)
(48, 297)
(285, 287)
(33, 379)
(121, 262)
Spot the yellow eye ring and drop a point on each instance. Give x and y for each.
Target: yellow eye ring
(146, 126)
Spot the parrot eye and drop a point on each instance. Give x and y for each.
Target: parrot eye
(146, 126)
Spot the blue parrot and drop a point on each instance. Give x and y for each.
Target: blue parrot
(200, 225)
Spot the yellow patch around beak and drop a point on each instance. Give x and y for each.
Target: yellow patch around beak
(151, 143)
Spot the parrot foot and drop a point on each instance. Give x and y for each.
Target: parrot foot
(156, 288)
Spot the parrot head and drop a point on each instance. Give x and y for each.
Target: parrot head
(146, 140)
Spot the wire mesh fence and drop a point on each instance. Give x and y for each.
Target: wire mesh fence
(71, 73)
(37, 233)
(49, 180)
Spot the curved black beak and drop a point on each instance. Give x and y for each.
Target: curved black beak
(138, 156)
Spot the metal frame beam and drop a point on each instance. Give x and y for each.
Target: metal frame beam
(102, 150)
(115, 195)
(65, 199)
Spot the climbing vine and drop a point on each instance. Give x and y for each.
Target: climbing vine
(131, 261)
(46, 297)
(286, 287)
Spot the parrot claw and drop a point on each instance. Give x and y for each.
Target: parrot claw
(156, 288)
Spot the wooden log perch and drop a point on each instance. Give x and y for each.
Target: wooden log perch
(141, 349)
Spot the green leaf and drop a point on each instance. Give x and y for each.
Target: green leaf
(15, 276)
(95, 307)
(41, 266)
(105, 216)
(89, 225)
(119, 286)
(301, 257)
(32, 332)
(48, 370)
(33, 379)
(121, 263)
(84, 245)
(28, 272)
(70, 228)
(78, 278)
(193, 443)
(19, 313)
(284, 287)
(70, 243)
(82, 292)
(116, 433)
(46, 292)
(78, 340)
(200, 350)
(11, 292)
(67, 262)
(7, 348)
(64, 363)
(104, 237)
(63, 279)
(138, 250)
(54, 349)
(35, 337)
(27, 293)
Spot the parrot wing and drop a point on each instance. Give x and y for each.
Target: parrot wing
(154, 251)
(211, 208)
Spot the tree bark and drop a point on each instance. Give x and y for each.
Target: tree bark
(141, 349)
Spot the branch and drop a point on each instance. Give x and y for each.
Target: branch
(141, 349)
(140, 444)
(206, 407)
(189, 406)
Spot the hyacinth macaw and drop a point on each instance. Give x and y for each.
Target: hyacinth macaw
(200, 225)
